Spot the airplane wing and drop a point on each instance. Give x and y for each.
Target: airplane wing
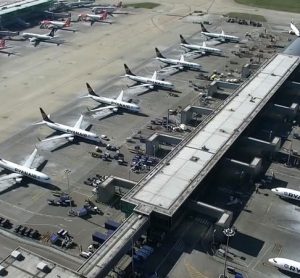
(65, 135)
(120, 97)
(154, 76)
(30, 159)
(79, 122)
(103, 108)
(9, 177)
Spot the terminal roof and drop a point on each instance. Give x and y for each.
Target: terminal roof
(169, 184)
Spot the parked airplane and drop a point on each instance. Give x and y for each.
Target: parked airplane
(3, 47)
(175, 63)
(69, 132)
(54, 15)
(219, 36)
(78, 4)
(147, 82)
(21, 171)
(61, 25)
(287, 193)
(294, 30)
(36, 39)
(8, 34)
(109, 8)
(286, 264)
(202, 49)
(113, 104)
(95, 18)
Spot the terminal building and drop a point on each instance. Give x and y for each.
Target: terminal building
(161, 198)
(19, 12)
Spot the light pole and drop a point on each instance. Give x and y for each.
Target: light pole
(68, 172)
(229, 232)
(290, 150)
(214, 238)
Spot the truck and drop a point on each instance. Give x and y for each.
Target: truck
(149, 248)
(142, 255)
(111, 225)
(82, 212)
(99, 237)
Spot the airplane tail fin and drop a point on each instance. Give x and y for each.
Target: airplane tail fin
(2, 43)
(46, 118)
(127, 70)
(119, 5)
(90, 90)
(203, 27)
(68, 22)
(182, 39)
(158, 54)
(51, 34)
(105, 14)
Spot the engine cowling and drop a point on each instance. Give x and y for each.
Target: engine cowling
(70, 139)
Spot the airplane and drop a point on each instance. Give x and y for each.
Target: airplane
(69, 132)
(77, 4)
(21, 171)
(95, 18)
(219, 36)
(113, 104)
(37, 38)
(147, 82)
(109, 8)
(294, 30)
(8, 34)
(2, 47)
(285, 264)
(287, 193)
(177, 64)
(202, 49)
(61, 25)
(54, 15)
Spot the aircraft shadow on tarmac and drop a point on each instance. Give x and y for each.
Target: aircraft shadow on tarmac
(111, 114)
(246, 244)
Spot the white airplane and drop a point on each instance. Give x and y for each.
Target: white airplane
(3, 47)
(109, 8)
(147, 82)
(61, 25)
(37, 38)
(113, 104)
(287, 193)
(177, 64)
(286, 264)
(219, 36)
(95, 18)
(21, 171)
(202, 49)
(294, 30)
(69, 132)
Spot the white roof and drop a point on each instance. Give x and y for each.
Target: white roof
(15, 254)
(165, 188)
(42, 266)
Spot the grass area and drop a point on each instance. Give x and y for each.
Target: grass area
(245, 16)
(144, 5)
(279, 5)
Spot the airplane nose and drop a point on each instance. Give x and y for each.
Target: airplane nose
(271, 261)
